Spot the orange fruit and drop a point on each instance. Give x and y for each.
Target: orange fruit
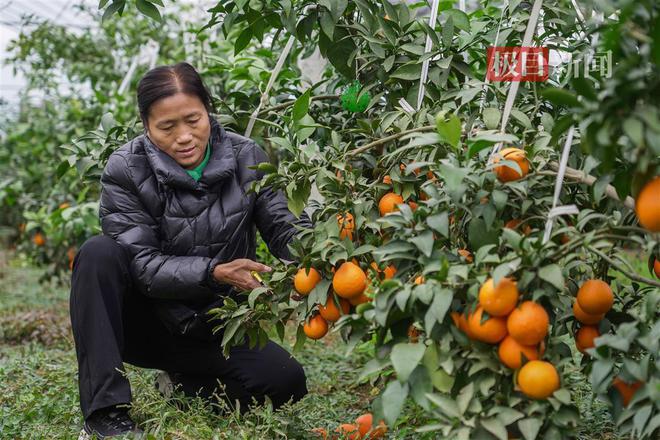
(349, 280)
(507, 174)
(331, 312)
(21, 227)
(320, 432)
(514, 223)
(413, 334)
(584, 337)
(430, 176)
(511, 352)
(584, 317)
(365, 427)
(466, 254)
(656, 267)
(595, 297)
(346, 225)
(39, 239)
(420, 280)
(413, 205)
(316, 327)
(538, 379)
(492, 330)
(388, 273)
(64, 205)
(499, 300)
(304, 281)
(461, 322)
(647, 205)
(360, 299)
(71, 255)
(388, 203)
(528, 323)
(348, 431)
(387, 180)
(626, 390)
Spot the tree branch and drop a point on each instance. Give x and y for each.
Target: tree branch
(617, 266)
(389, 138)
(290, 103)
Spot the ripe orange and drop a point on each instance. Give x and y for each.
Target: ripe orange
(507, 174)
(349, 280)
(595, 297)
(499, 300)
(528, 323)
(413, 205)
(584, 337)
(626, 390)
(71, 255)
(511, 352)
(331, 312)
(64, 205)
(461, 322)
(466, 254)
(366, 429)
(387, 180)
(647, 205)
(492, 330)
(514, 223)
(420, 280)
(413, 334)
(348, 431)
(360, 299)
(346, 225)
(388, 273)
(21, 228)
(304, 282)
(39, 239)
(388, 203)
(430, 176)
(316, 327)
(538, 379)
(656, 267)
(584, 317)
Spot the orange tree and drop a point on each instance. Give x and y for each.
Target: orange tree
(438, 250)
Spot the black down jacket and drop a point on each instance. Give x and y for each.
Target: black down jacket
(177, 230)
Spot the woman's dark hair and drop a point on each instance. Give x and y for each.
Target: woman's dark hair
(164, 81)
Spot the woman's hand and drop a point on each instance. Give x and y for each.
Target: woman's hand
(237, 273)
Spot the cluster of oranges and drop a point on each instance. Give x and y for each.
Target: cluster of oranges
(519, 329)
(594, 300)
(362, 429)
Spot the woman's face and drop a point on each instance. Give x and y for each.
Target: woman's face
(179, 125)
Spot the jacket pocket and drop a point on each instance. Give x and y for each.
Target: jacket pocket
(182, 320)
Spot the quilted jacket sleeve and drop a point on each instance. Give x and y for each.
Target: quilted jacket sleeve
(272, 216)
(124, 218)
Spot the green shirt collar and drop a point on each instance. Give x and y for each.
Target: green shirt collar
(196, 173)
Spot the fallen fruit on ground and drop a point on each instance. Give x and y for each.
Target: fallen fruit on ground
(528, 323)
(498, 300)
(349, 280)
(595, 297)
(366, 428)
(305, 281)
(538, 379)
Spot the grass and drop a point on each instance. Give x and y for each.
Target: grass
(39, 396)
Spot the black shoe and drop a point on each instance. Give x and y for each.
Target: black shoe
(108, 422)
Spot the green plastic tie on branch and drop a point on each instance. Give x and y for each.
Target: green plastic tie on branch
(350, 100)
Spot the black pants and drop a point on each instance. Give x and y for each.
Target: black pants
(113, 323)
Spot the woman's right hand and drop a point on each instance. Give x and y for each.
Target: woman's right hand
(237, 273)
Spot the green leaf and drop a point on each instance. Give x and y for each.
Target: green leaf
(552, 274)
(530, 427)
(102, 3)
(495, 427)
(392, 401)
(424, 242)
(254, 294)
(116, 6)
(441, 302)
(405, 358)
(560, 97)
(459, 18)
(149, 10)
(409, 72)
(301, 105)
(439, 223)
(491, 117)
(230, 329)
(448, 126)
(446, 404)
(243, 40)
